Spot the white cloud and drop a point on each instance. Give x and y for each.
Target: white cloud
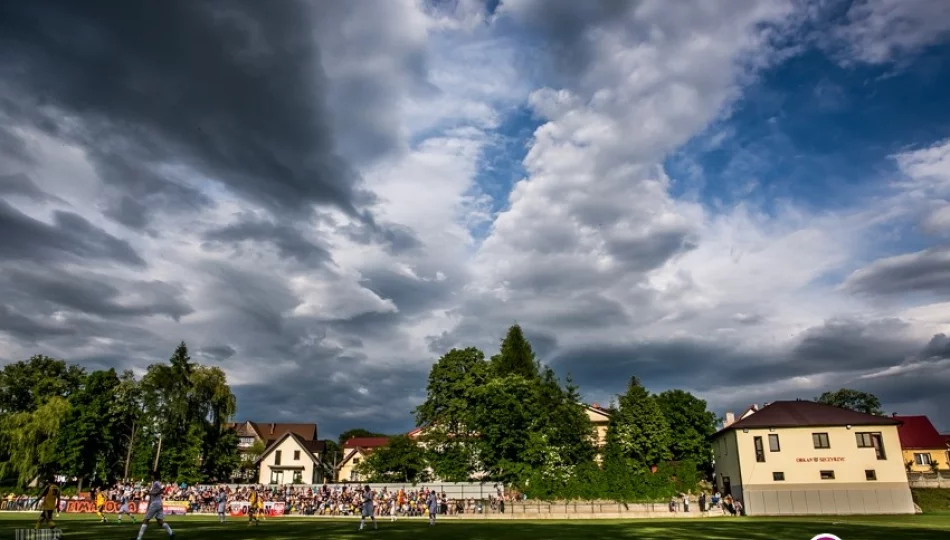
(880, 31)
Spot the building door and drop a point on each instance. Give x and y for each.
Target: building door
(726, 486)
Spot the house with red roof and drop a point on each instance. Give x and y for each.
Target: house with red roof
(924, 448)
(355, 451)
(802, 458)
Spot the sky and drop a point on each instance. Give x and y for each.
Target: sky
(748, 200)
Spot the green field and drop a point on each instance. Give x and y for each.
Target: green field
(925, 527)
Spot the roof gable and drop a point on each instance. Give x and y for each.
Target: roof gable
(596, 413)
(311, 448)
(916, 432)
(806, 414)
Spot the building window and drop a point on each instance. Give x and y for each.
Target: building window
(277, 457)
(870, 474)
(277, 477)
(872, 440)
(774, 446)
(356, 460)
(821, 440)
(878, 443)
(354, 476)
(298, 477)
(759, 450)
(778, 476)
(246, 441)
(827, 475)
(922, 459)
(296, 455)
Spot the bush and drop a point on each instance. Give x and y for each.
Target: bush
(618, 480)
(932, 499)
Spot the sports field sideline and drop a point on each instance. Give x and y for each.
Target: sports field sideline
(921, 527)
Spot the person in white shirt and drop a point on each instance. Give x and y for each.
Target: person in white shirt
(155, 510)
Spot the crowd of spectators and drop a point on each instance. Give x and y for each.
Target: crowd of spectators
(326, 500)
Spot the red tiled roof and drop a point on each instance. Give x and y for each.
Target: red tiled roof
(366, 442)
(806, 414)
(917, 432)
(270, 431)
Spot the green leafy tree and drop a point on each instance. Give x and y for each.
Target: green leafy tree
(638, 432)
(187, 406)
(446, 414)
(401, 460)
(516, 356)
(691, 424)
(30, 440)
(855, 400)
(87, 437)
(27, 385)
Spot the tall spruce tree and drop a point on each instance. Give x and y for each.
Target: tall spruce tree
(516, 356)
(638, 431)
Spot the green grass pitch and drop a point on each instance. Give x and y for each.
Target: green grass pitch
(925, 527)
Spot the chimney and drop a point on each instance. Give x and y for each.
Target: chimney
(730, 419)
(894, 415)
(272, 426)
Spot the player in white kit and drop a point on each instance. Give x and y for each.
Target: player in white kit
(367, 509)
(155, 508)
(124, 507)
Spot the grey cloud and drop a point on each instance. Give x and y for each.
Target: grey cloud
(289, 241)
(925, 272)
(24, 328)
(328, 392)
(95, 294)
(838, 346)
(396, 238)
(25, 238)
(237, 94)
(219, 352)
(411, 295)
(21, 184)
(565, 27)
(652, 251)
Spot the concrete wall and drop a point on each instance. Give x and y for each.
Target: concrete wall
(929, 480)
(831, 500)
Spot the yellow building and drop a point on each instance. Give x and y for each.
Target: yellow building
(355, 451)
(925, 450)
(292, 460)
(801, 457)
(600, 417)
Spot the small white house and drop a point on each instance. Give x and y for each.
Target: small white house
(292, 460)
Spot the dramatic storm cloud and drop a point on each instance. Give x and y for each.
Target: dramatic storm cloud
(748, 200)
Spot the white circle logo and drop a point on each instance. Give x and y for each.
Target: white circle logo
(826, 536)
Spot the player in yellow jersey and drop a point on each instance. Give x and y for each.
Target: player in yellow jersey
(101, 505)
(261, 514)
(253, 499)
(49, 503)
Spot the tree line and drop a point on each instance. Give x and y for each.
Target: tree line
(510, 419)
(101, 426)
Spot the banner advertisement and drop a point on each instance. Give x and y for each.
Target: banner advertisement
(271, 508)
(88, 507)
(171, 508)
